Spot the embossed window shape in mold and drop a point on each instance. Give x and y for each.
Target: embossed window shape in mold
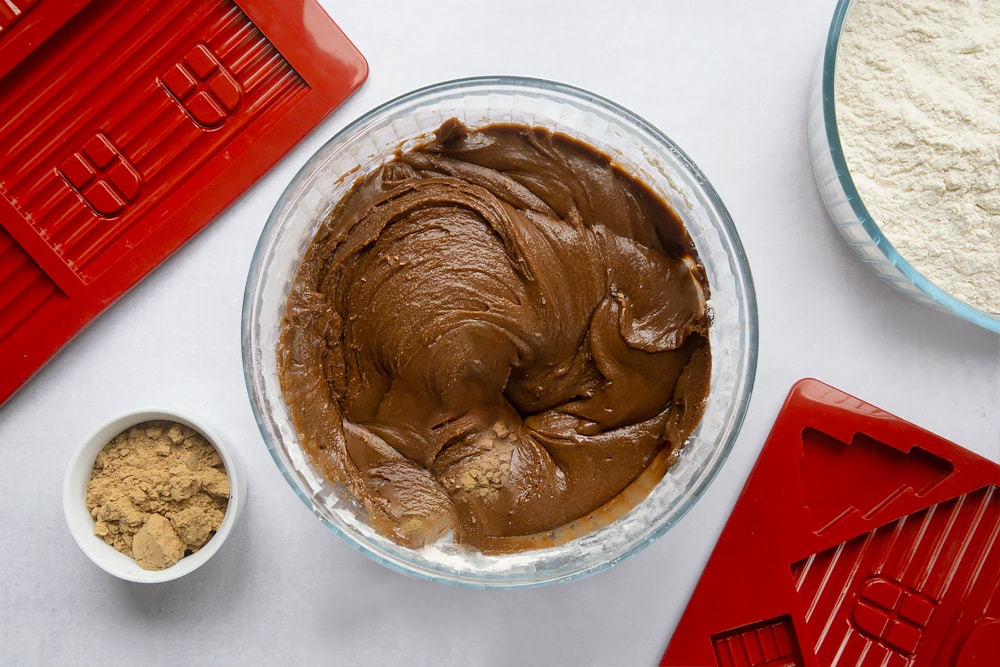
(204, 87)
(892, 614)
(102, 176)
(11, 12)
(767, 644)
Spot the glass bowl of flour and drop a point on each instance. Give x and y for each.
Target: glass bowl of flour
(904, 138)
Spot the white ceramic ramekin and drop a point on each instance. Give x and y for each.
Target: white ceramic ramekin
(81, 523)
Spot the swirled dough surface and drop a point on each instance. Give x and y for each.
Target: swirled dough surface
(495, 334)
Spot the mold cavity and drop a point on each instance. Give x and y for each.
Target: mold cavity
(861, 477)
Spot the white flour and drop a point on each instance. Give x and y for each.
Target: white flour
(918, 108)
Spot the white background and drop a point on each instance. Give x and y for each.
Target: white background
(727, 81)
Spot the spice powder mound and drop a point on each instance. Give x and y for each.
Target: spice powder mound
(158, 492)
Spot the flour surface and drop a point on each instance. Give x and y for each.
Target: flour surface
(918, 108)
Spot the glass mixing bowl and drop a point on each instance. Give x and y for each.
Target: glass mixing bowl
(642, 150)
(846, 208)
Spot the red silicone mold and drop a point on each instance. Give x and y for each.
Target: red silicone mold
(859, 539)
(126, 126)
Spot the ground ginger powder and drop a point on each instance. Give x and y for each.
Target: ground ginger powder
(158, 492)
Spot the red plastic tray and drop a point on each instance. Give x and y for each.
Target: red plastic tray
(859, 539)
(126, 126)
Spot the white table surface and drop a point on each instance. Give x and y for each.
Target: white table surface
(728, 81)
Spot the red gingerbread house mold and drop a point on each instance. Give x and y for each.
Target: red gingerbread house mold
(859, 539)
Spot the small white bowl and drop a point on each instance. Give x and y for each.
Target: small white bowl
(81, 523)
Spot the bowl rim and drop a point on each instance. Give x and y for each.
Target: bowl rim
(81, 524)
(936, 295)
(737, 258)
